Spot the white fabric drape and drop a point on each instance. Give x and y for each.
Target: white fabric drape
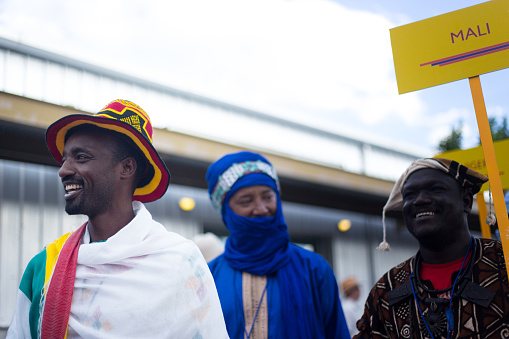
(144, 282)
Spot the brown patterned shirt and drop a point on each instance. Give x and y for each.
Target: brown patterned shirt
(480, 304)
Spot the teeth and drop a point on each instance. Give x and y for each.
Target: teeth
(422, 214)
(73, 187)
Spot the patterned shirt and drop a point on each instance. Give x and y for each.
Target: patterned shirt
(480, 304)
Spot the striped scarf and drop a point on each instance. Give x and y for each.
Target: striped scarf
(59, 289)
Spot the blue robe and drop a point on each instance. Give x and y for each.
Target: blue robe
(328, 321)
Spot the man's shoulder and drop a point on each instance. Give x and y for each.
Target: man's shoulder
(489, 243)
(490, 255)
(313, 265)
(159, 234)
(37, 262)
(310, 259)
(404, 266)
(219, 263)
(396, 276)
(35, 271)
(179, 248)
(490, 248)
(306, 254)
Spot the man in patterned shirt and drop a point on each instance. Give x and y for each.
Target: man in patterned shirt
(455, 286)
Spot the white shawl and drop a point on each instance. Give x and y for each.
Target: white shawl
(144, 282)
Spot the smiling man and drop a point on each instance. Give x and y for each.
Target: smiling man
(268, 287)
(455, 286)
(121, 274)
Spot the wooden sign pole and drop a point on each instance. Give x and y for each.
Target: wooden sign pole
(491, 164)
(483, 213)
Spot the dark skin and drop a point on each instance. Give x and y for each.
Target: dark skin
(97, 184)
(435, 209)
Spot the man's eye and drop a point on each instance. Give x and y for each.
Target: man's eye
(408, 195)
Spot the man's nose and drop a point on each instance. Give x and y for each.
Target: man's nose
(260, 208)
(422, 198)
(65, 170)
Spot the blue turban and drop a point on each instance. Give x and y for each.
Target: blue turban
(230, 173)
(260, 245)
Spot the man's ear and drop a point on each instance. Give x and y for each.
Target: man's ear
(128, 168)
(468, 200)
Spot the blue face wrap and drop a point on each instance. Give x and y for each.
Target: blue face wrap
(257, 245)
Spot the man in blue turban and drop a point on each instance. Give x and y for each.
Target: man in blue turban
(268, 288)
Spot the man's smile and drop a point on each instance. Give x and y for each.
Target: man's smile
(424, 214)
(72, 190)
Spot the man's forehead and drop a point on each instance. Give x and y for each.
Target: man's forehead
(252, 189)
(78, 140)
(88, 135)
(83, 141)
(428, 175)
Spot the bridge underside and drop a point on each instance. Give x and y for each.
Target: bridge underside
(22, 129)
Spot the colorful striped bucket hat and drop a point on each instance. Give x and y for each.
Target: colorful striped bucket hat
(130, 120)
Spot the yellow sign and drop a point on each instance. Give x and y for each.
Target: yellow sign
(452, 46)
(474, 158)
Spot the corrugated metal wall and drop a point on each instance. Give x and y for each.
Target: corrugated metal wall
(29, 218)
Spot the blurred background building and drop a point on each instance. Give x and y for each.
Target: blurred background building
(334, 187)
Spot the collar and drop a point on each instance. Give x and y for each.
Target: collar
(466, 289)
(466, 272)
(137, 207)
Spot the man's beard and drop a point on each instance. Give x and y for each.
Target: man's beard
(73, 207)
(89, 206)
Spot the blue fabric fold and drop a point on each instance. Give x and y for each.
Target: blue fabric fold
(256, 245)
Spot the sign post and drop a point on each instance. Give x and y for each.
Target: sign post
(453, 46)
(491, 163)
(474, 158)
(485, 228)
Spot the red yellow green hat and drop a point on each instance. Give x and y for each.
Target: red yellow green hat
(129, 119)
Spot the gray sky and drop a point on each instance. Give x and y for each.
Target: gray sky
(321, 62)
